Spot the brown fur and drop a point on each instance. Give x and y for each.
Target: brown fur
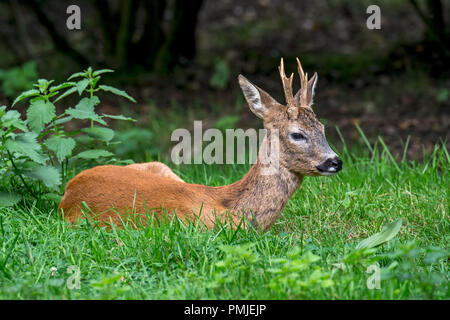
(111, 192)
(157, 168)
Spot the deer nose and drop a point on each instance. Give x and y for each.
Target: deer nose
(337, 163)
(330, 166)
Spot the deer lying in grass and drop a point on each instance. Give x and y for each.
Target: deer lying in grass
(111, 191)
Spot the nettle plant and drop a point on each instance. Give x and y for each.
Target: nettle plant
(40, 148)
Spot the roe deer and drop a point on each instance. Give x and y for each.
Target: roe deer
(110, 191)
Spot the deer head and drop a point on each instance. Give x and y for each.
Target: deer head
(303, 148)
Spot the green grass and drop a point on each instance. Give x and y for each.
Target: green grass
(309, 254)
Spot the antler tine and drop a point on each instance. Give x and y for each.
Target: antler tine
(303, 83)
(287, 84)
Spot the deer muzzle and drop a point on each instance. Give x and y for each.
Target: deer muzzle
(330, 166)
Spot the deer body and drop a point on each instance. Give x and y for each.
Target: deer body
(142, 188)
(111, 192)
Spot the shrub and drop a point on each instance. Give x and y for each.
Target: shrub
(40, 148)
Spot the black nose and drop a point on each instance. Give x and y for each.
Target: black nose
(337, 163)
(331, 165)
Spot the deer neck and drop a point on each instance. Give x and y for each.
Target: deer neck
(264, 191)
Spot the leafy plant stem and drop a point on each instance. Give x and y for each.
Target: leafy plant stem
(17, 172)
(62, 172)
(55, 126)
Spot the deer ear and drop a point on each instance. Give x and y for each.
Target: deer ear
(258, 100)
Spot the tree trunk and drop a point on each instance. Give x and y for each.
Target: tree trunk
(155, 50)
(153, 36)
(180, 43)
(60, 42)
(433, 18)
(107, 27)
(126, 28)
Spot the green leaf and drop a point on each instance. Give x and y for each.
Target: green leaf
(39, 114)
(50, 176)
(63, 120)
(77, 75)
(58, 122)
(221, 75)
(52, 94)
(25, 144)
(106, 281)
(94, 154)
(100, 133)
(12, 119)
(388, 232)
(54, 197)
(116, 92)
(85, 110)
(94, 81)
(65, 94)
(99, 72)
(119, 117)
(61, 86)
(61, 146)
(26, 94)
(43, 84)
(443, 95)
(227, 122)
(434, 254)
(8, 199)
(82, 85)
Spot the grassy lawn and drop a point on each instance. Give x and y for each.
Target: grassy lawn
(309, 254)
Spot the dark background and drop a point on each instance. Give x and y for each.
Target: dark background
(180, 60)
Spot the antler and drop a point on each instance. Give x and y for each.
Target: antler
(303, 84)
(287, 84)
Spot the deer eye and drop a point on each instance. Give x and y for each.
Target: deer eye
(297, 136)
